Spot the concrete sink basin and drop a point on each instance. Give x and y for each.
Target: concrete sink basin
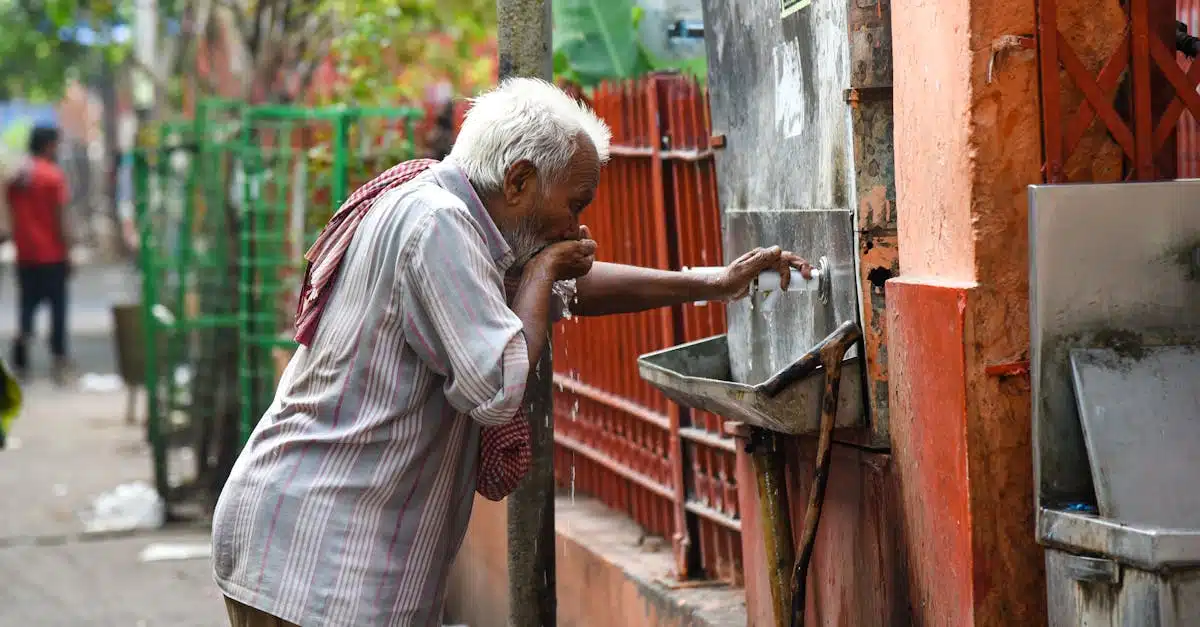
(698, 375)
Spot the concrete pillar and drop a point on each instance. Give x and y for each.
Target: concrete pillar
(967, 146)
(524, 37)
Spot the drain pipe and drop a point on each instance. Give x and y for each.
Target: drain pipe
(766, 449)
(768, 455)
(523, 38)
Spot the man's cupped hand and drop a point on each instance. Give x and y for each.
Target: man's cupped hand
(568, 259)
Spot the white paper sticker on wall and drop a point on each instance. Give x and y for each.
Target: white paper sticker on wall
(788, 7)
(789, 88)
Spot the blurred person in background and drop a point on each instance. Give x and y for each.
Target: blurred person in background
(37, 202)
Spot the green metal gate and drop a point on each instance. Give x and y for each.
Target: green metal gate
(227, 203)
(187, 250)
(301, 163)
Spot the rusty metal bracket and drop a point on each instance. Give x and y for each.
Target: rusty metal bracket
(855, 95)
(1005, 44)
(832, 351)
(1013, 369)
(788, 592)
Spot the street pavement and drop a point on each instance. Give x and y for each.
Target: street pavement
(68, 447)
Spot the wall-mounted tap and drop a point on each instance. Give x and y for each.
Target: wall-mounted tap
(686, 29)
(767, 284)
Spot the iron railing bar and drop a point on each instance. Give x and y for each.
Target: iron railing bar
(609, 399)
(613, 465)
(714, 515)
(708, 438)
(678, 154)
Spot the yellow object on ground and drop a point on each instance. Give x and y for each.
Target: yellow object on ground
(10, 400)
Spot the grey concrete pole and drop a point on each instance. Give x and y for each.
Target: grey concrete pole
(524, 29)
(524, 36)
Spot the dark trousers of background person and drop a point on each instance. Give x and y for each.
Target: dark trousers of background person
(38, 284)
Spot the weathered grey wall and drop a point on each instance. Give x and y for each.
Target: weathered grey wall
(777, 90)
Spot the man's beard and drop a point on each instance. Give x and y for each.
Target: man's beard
(524, 240)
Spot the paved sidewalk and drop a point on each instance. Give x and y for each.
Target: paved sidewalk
(69, 447)
(102, 584)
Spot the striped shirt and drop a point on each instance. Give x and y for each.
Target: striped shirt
(352, 496)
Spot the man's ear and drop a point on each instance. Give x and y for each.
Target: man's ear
(521, 177)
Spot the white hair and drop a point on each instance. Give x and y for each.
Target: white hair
(524, 119)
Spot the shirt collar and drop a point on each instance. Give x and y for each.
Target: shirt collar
(452, 179)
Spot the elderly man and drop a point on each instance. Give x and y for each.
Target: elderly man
(352, 495)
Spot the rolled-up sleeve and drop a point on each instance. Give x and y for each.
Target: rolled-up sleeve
(458, 322)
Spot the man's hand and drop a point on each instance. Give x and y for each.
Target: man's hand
(569, 259)
(734, 282)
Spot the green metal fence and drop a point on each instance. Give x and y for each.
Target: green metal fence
(300, 164)
(181, 177)
(211, 292)
(227, 203)
(166, 184)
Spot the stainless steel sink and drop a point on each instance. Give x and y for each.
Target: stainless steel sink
(698, 375)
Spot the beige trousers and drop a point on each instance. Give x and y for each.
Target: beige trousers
(242, 615)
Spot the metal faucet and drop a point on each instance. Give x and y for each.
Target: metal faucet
(767, 284)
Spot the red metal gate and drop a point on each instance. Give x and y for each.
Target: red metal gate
(1188, 12)
(1142, 134)
(619, 439)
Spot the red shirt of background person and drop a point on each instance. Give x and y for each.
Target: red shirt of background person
(36, 200)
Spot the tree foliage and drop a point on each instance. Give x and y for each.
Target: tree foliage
(597, 40)
(35, 62)
(276, 47)
(390, 51)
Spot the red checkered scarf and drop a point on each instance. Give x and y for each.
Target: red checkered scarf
(504, 451)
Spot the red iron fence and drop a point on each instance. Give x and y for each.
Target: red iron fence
(1188, 12)
(1142, 131)
(617, 438)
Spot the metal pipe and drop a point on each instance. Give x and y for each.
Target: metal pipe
(523, 38)
(767, 451)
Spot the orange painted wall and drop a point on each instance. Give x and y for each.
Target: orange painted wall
(929, 439)
(931, 43)
(607, 575)
(967, 146)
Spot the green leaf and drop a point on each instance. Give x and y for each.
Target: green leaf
(598, 38)
(116, 54)
(696, 67)
(60, 11)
